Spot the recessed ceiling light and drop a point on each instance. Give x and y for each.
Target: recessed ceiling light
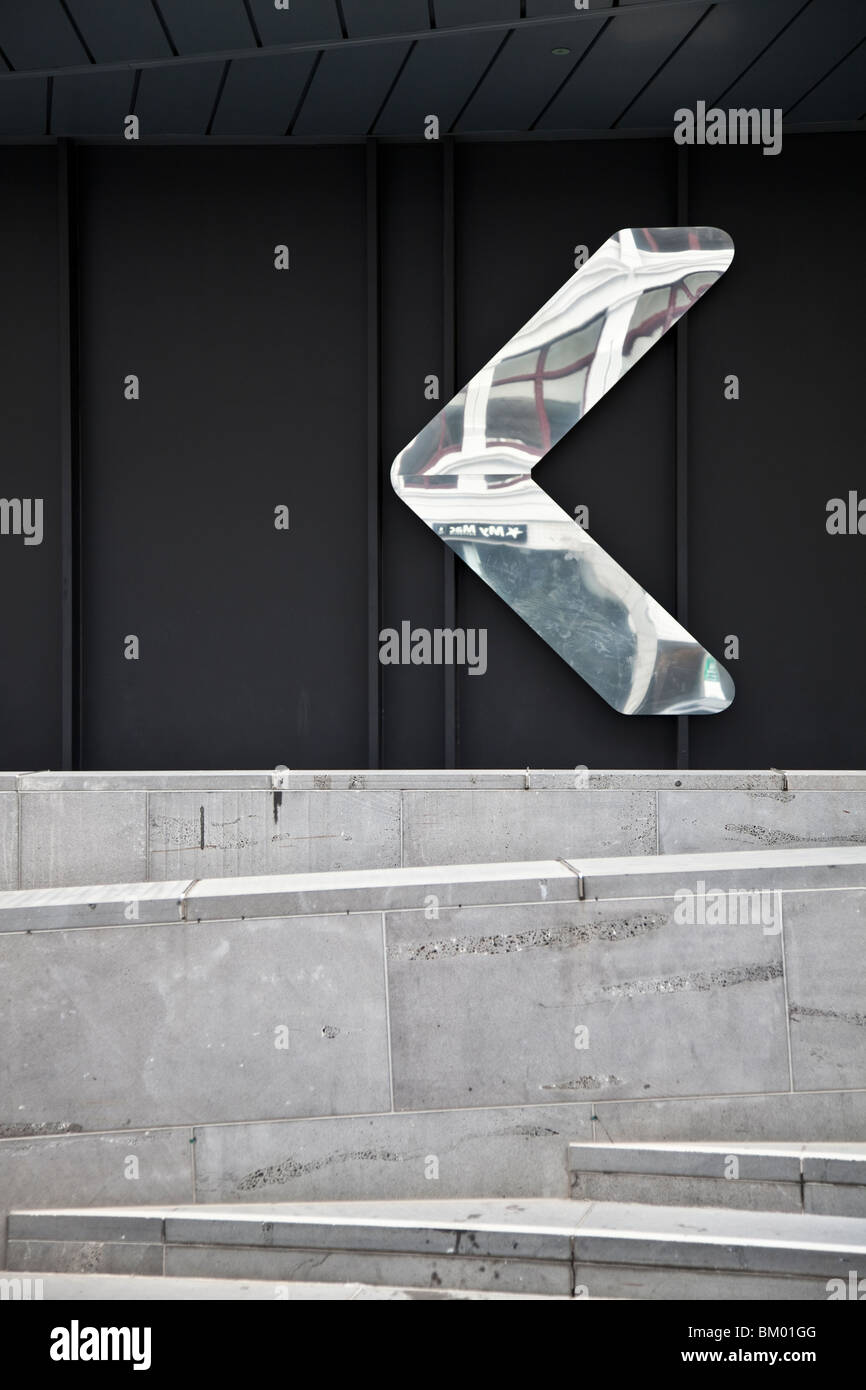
(560, 52)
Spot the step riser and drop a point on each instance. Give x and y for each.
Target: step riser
(835, 1199)
(85, 1257)
(677, 1191)
(482, 1153)
(661, 1284)
(550, 1247)
(269, 1244)
(587, 1280)
(284, 1265)
(131, 828)
(801, 1179)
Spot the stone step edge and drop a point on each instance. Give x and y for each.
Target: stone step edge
(693, 1249)
(578, 778)
(762, 1163)
(752, 872)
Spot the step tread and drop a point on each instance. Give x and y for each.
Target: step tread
(527, 1216)
(392, 888)
(846, 1149)
(812, 1161)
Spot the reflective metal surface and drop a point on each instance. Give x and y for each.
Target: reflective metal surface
(467, 474)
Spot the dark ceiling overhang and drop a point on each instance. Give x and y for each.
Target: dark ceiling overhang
(349, 69)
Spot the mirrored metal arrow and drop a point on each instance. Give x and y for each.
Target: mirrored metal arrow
(467, 474)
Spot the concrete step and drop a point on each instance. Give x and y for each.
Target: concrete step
(531, 1246)
(708, 889)
(61, 828)
(44, 1286)
(363, 1034)
(821, 1179)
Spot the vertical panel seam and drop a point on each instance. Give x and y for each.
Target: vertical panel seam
(374, 488)
(681, 459)
(449, 354)
(193, 1171)
(778, 893)
(387, 1014)
(70, 612)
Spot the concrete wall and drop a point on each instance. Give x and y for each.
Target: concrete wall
(60, 829)
(253, 1039)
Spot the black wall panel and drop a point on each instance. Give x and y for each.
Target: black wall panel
(788, 321)
(411, 188)
(253, 646)
(30, 699)
(256, 390)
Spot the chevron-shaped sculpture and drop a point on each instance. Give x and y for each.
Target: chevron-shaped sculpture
(468, 473)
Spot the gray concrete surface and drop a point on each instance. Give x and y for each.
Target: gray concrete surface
(679, 1191)
(477, 826)
(114, 1288)
(464, 1063)
(484, 1005)
(107, 1028)
(492, 1152)
(67, 838)
(129, 1036)
(8, 839)
(825, 939)
(539, 1246)
(828, 1115)
(200, 834)
(415, 779)
(694, 821)
(100, 827)
(753, 1176)
(747, 879)
(138, 1166)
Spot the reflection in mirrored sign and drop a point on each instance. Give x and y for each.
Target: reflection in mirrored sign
(468, 473)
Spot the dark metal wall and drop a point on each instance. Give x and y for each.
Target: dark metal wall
(261, 387)
(789, 319)
(30, 450)
(252, 395)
